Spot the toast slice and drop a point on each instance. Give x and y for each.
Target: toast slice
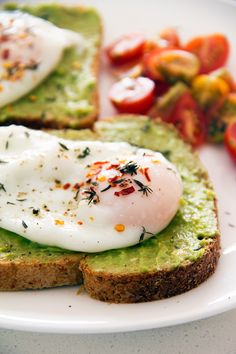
(174, 261)
(68, 97)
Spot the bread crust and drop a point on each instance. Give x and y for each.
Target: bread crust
(33, 274)
(149, 286)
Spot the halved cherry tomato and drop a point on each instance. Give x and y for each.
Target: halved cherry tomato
(230, 140)
(167, 39)
(171, 65)
(209, 91)
(170, 38)
(126, 48)
(212, 51)
(133, 95)
(189, 120)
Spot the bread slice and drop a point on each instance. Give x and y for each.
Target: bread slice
(174, 261)
(68, 98)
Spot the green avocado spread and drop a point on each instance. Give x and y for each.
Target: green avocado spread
(184, 239)
(66, 96)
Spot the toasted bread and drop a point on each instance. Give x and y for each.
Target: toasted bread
(174, 261)
(68, 97)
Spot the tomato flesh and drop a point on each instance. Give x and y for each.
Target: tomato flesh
(189, 120)
(212, 51)
(171, 65)
(126, 48)
(131, 95)
(230, 140)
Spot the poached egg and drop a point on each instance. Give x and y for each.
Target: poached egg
(30, 50)
(83, 195)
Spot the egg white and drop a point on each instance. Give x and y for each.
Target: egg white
(38, 199)
(33, 44)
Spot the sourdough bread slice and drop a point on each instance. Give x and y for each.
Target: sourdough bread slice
(180, 257)
(176, 260)
(68, 97)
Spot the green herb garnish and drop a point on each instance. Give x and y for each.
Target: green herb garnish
(144, 232)
(92, 196)
(64, 147)
(25, 226)
(130, 168)
(2, 187)
(85, 153)
(144, 189)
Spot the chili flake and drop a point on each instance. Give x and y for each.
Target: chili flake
(59, 222)
(119, 227)
(66, 186)
(125, 191)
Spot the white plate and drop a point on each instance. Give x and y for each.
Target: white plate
(61, 310)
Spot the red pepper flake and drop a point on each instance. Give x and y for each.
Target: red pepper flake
(146, 174)
(92, 174)
(77, 185)
(113, 179)
(5, 54)
(125, 191)
(80, 222)
(113, 167)
(100, 162)
(66, 186)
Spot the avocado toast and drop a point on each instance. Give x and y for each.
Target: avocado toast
(174, 261)
(68, 97)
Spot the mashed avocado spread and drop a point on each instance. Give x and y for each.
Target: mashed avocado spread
(185, 238)
(67, 95)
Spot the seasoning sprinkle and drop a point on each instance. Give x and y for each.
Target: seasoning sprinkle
(125, 191)
(36, 211)
(106, 189)
(141, 238)
(92, 196)
(144, 189)
(63, 146)
(130, 168)
(59, 222)
(1, 161)
(11, 203)
(25, 226)
(2, 187)
(119, 227)
(85, 153)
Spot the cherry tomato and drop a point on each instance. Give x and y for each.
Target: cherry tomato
(209, 91)
(230, 140)
(212, 51)
(170, 38)
(189, 120)
(131, 95)
(224, 74)
(171, 65)
(126, 48)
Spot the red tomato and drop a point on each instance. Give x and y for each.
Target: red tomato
(171, 65)
(133, 95)
(189, 120)
(150, 62)
(230, 140)
(212, 51)
(126, 48)
(170, 38)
